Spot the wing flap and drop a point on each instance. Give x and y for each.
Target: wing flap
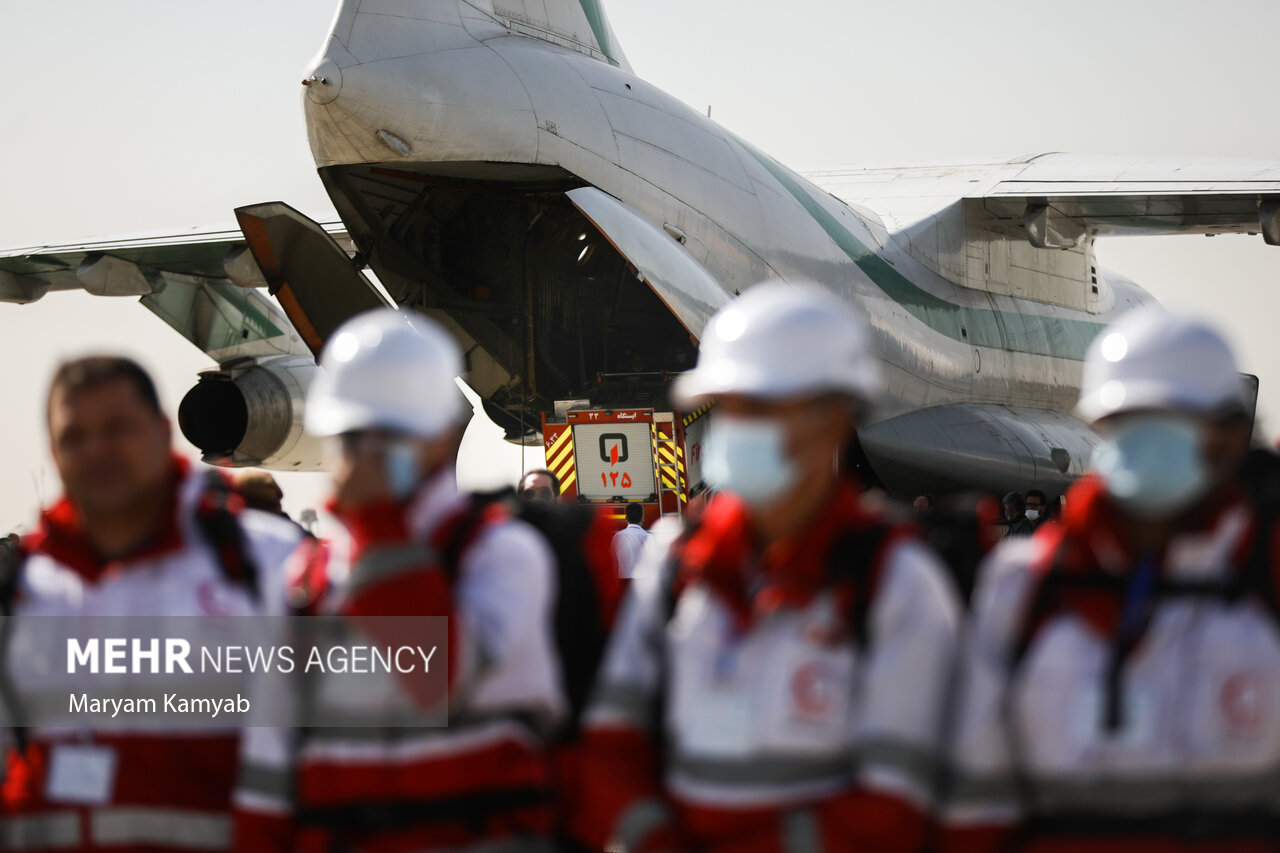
(306, 270)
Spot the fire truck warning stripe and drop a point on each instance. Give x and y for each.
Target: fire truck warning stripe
(565, 437)
(561, 458)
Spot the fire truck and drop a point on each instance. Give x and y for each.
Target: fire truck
(613, 457)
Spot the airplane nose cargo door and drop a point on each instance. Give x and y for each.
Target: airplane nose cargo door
(692, 293)
(306, 270)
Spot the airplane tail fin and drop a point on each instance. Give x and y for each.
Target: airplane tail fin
(366, 30)
(580, 25)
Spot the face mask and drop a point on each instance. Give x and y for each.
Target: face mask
(748, 458)
(1152, 466)
(400, 459)
(1033, 514)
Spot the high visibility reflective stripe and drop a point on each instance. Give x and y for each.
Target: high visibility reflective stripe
(800, 833)
(916, 763)
(40, 832)
(694, 415)
(771, 771)
(566, 451)
(564, 439)
(968, 788)
(560, 459)
(382, 562)
(629, 700)
(274, 781)
(348, 744)
(167, 827)
(637, 821)
(341, 719)
(921, 765)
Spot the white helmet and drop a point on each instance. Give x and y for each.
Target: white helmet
(388, 370)
(779, 340)
(1152, 359)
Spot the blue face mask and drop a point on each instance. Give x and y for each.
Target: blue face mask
(748, 457)
(1152, 465)
(401, 461)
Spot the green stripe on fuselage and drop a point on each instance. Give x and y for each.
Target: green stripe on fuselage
(595, 17)
(1060, 337)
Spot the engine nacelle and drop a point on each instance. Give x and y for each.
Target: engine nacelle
(249, 413)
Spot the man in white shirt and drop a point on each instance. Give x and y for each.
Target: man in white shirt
(629, 541)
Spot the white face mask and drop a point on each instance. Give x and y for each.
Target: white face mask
(1033, 514)
(748, 457)
(1152, 465)
(401, 466)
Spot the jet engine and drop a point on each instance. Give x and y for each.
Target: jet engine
(248, 412)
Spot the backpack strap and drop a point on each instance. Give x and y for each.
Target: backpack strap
(217, 518)
(461, 531)
(857, 561)
(1261, 563)
(672, 575)
(11, 563)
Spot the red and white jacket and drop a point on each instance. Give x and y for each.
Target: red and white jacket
(1173, 746)
(740, 715)
(482, 780)
(170, 789)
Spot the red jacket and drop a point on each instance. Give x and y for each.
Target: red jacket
(165, 788)
(484, 777)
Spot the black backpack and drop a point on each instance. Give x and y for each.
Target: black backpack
(579, 624)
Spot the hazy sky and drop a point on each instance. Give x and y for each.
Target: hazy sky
(133, 116)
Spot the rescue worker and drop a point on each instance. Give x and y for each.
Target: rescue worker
(138, 536)
(387, 396)
(1120, 683)
(777, 676)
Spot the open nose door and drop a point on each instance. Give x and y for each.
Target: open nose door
(691, 293)
(315, 281)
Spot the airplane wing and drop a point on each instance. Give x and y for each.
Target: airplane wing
(1056, 197)
(204, 283)
(1024, 228)
(1055, 200)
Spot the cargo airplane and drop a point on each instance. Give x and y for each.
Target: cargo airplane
(499, 166)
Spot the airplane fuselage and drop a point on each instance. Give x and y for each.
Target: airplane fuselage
(487, 112)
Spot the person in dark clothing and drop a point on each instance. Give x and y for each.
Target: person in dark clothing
(1036, 508)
